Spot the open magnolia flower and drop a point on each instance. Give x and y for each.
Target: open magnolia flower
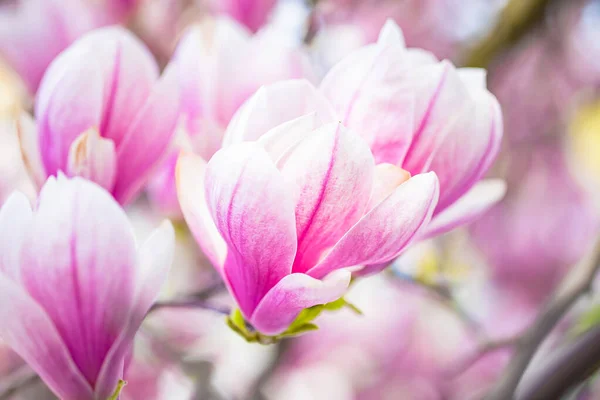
(74, 289)
(103, 113)
(283, 218)
(414, 112)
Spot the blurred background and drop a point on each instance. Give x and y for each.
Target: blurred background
(440, 323)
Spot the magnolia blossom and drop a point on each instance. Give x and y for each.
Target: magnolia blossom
(74, 288)
(283, 218)
(252, 13)
(214, 84)
(33, 32)
(414, 112)
(103, 113)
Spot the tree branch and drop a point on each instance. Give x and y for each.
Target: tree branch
(16, 381)
(564, 369)
(576, 284)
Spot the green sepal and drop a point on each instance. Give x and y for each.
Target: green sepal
(302, 323)
(118, 390)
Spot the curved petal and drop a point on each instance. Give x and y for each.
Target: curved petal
(28, 330)
(15, 220)
(273, 105)
(203, 58)
(293, 294)
(253, 210)
(30, 149)
(468, 208)
(280, 139)
(69, 101)
(469, 148)
(387, 229)
(148, 137)
(80, 241)
(154, 262)
(333, 170)
(93, 158)
(190, 172)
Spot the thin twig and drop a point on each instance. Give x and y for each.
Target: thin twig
(16, 381)
(486, 347)
(570, 291)
(191, 303)
(564, 369)
(517, 18)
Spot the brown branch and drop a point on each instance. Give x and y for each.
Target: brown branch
(486, 347)
(576, 284)
(517, 18)
(564, 369)
(198, 300)
(16, 381)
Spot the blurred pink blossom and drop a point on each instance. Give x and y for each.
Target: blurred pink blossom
(103, 113)
(251, 13)
(214, 84)
(544, 226)
(77, 239)
(33, 32)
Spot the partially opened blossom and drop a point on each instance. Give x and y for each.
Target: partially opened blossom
(251, 13)
(103, 113)
(33, 32)
(214, 85)
(282, 219)
(414, 112)
(422, 115)
(74, 287)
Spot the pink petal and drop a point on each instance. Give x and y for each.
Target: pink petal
(69, 101)
(333, 171)
(387, 178)
(279, 140)
(439, 96)
(154, 262)
(80, 242)
(468, 208)
(15, 221)
(205, 58)
(93, 158)
(387, 229)
(28, 330)
(30, 149)
(293, 294)
(470, 147)
(273, 105)
(253, 210)
(191, 171)
(130, 72)
(148, 138)
(252, 13)
(13, 168)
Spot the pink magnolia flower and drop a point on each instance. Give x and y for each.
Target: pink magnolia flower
(422, 115)
(284, 217)
(252, 13)
(33, 32)
(414, 112)
(213, 86)
(103, 113)
(74, 288)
